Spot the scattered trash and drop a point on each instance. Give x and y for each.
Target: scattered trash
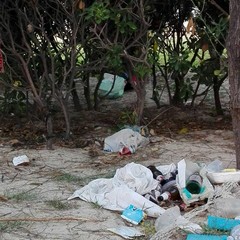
(112, 86)
(235, 233)
(194, 183)
(218, 175)
(215, 166)
(124, 138)
(127, 150)
(126, 232)
(225, 207)
(125, 188)
(220, 223)
(136, 190)
(227, 175)
(167, 218)
(204, 188)
(206, 237)
(21, 160)
(170, 220)
(133, 215)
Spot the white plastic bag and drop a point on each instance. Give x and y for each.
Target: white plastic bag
(125, 137)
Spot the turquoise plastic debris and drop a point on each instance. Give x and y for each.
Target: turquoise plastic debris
(112, 89)
(133, 214)
(206, 237)
(220, 223)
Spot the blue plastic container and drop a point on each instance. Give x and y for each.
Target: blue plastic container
(225, 224)
(206, 237)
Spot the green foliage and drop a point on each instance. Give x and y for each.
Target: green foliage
(127, 117)
(98, 11)
(142, 70)
(14, 99)
(179, 61)
(113, 57)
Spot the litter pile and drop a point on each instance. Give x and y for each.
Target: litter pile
(165, 192)
(138, 191)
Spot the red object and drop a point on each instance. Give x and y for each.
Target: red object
(125, 151)
(134, 79)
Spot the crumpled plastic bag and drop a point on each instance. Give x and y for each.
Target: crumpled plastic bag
(116, 87)
(137, 177)
(124, 138)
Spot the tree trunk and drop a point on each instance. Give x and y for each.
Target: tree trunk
(234, 72)
(49, 132)
(87, 92)
(155, 95)
(141, 93)
(216, 88)
(76, 100)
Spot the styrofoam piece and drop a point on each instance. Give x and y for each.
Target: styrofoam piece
(206, 237)
(21, 160)
(220, 223)
(224, 176)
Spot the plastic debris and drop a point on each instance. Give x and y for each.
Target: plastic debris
(124, 138)
(225, 207)
(21, 160)
(220, 223)
(172, 218)
(218, 175)
(206, 237)
(112, 86)
(186, 169)
(133, 214)
(235, 233)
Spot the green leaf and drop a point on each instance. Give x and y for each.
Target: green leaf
(217, 72)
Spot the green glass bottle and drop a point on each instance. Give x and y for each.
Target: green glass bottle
(194, 183)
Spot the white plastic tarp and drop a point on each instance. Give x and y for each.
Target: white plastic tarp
(123, 189)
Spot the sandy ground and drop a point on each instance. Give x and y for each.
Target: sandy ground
(33, 198)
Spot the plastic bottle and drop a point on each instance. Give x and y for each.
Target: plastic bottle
(153, 196)
(194, 183)
(156, 173)
(172, 193)
(235, 233)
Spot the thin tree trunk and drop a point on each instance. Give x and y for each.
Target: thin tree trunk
(234, 72)
(49, 132)
(76, 100)
(216, 88)
(141, 94)
(155, 95)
